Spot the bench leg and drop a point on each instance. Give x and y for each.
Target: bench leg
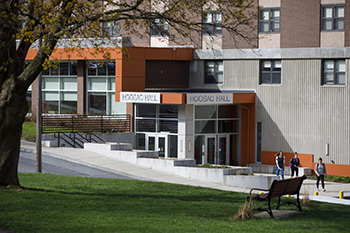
(269, 211)
(299, 206)
(278, 204)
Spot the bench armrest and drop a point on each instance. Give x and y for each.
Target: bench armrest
(250, 193)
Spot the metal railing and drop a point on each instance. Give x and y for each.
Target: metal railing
(86, 124)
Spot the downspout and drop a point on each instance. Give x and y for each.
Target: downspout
(248, 141)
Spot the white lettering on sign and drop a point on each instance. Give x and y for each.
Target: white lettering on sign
(210, 98)
(139, 97)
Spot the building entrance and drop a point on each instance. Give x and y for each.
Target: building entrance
(157, 143)
(216, 149)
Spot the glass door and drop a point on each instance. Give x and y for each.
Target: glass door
(151, 143)
(222, 150)
(161, 146)
(211, 145)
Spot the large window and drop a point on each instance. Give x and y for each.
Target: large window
(214, 72)
(270, 72)
(156, 118)
(213, 119)
(110, 29)
(333, 17)
(269, 20)
(159, 27)
(212, 22)
(59, 88)
(101, 89)
(334, 72)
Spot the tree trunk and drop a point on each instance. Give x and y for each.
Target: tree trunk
(13, 109)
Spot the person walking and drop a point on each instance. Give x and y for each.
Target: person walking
(321, 172)
(294, 165)
(280, 164)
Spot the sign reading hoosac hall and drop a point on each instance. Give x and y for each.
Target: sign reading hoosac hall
(192, 98)
(140, 97)
(209, 98)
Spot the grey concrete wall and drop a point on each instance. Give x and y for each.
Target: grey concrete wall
(299, 114)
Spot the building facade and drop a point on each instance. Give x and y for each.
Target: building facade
(225, 101)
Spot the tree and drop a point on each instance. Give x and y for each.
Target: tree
(24, 22)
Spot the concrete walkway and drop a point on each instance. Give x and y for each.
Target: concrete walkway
(112, 165)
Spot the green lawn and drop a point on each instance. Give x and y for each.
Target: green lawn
(29, 131)
(53, 203)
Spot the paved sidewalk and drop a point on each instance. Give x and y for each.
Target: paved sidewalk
(112, 165)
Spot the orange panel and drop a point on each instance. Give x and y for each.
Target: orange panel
(247, 134)
(31, 54)
(184, 54)
(117, 96)
(80, 53)
(118, 84)
(159, 54)
(134, 53)
(336, 169)
(134, 68)
(243, 98)
(173, 98)
(118, 68)
(133, 84)
(269, 157)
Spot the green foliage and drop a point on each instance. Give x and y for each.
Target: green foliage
(331, 178)
(52, 203)
(29, 131)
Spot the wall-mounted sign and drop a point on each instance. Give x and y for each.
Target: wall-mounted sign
(209, 98)
(140, 97)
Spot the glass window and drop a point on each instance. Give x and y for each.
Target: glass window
(205, 112)
(140, 141)
(334, 72)
(212, 22)
(269, 20)
(228, 126)
(333, 17)
(145, 125)
(214, 72)
(110, 29)
(97, 103)
(59, 88)
(159, 27)
(168, 111)
(203, 127)
(270, 72)
(167, 126)
(172, 146)
(146, 110)
(228, 111)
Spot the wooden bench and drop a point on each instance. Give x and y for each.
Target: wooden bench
(278, 189)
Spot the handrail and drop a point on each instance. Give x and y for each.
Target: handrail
(86, 123)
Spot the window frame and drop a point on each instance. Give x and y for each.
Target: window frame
(213, 27)
(110, 29)
(271, 72)
(333, 19)
(159, 29)
(335, 73)
(270, 20)
(215, 73)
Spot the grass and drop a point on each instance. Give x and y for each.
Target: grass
(331, 178)
(52, 203)
(29, 131)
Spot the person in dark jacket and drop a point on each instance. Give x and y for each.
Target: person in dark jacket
(294, 165)
(280, 164)
(320, 170)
